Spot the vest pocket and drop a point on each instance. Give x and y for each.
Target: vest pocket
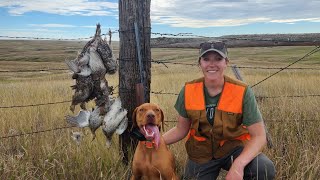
(231, 124)
(199, 151)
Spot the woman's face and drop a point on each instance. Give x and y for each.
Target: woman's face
(213, 65)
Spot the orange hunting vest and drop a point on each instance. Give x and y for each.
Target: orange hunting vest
(205, 141)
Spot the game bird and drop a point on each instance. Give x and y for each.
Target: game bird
(89, 69)
(115, 120)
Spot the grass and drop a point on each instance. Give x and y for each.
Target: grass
(292, 122)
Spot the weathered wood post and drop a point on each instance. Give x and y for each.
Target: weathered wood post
(131, 11)
(110, 35)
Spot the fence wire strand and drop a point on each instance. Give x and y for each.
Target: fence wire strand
(315, 50)
(36, 132)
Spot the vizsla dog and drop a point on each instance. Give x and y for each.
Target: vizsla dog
(152, 159)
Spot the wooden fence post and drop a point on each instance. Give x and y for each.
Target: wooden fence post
(110, 35)
(131, 11)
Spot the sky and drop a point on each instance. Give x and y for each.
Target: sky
(78, 18)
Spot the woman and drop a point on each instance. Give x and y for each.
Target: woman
(222, 122)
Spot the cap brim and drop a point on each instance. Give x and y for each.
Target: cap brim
(216, 50)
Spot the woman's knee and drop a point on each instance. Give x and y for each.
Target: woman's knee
(260, 168)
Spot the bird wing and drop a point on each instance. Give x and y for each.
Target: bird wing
(95, 62)
(81, 120)
(73, 66)
(122, 126)
(84, 60)
(107, 58)
(95, 120)
(111, 121)
(85, 71)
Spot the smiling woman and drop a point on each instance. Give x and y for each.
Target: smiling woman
(222, 122)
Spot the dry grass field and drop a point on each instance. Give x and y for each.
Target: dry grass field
(293, 122)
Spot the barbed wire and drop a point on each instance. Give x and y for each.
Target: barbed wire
(36, 132)
(182, 34)
(164, 62)
(34, 70)
(156, 93)
(277, 120)
(259, 67)
(33, 105)
(290, 96)
(164, 93)
(56, 39)
(68, 127)
(315, 50)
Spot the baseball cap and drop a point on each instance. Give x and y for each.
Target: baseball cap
(217, 46)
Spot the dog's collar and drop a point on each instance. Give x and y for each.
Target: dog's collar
(149, 144)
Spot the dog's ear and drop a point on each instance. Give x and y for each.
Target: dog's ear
(162, 119)
(134, 122)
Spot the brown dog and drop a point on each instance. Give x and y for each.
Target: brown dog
(152, 159)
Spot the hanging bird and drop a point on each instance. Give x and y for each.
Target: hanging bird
(80, 66)
(106, 54)
(83, 91)
(87, 118)
(89, 69)
(114, 121)
(96, 65)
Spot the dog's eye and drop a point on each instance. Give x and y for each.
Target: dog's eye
(157, 110)
(141, 110)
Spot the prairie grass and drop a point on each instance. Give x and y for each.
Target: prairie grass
(293, 122)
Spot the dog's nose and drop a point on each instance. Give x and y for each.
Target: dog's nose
(150, 116)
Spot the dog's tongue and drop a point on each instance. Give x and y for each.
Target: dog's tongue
(151, 133)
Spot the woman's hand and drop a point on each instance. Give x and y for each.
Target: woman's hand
(235, 172)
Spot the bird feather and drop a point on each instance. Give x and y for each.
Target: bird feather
(81, 120)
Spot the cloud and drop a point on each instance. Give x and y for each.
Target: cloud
(198, 23)
(61, 7)
(208, 13)
(52, 25)
(183, 13)
(295, 20)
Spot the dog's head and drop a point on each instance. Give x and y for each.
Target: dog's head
(148, 118)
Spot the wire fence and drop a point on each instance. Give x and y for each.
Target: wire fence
(276, 38)
(156, 93)
(164, 62)
(36, 132)
(166, 123)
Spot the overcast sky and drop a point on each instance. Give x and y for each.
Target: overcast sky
(77, 18)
